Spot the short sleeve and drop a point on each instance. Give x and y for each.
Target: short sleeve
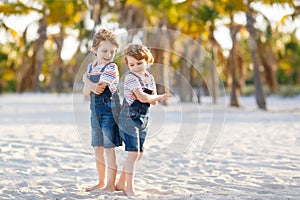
(132, 82)
(110, 74)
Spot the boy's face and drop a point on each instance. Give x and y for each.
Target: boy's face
(105, 52)
(136, 66)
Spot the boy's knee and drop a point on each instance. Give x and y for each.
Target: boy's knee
(99, 149)
(133, 155)
(140, 156)
(109, 150)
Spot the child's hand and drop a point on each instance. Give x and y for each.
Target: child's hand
(96, 88)
(165, 97)
(100, 87)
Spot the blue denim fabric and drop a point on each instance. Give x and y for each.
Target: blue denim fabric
(133, 123)
(105, 131)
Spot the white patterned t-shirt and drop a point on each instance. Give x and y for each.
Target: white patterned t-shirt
(110, 75)
(132, 83)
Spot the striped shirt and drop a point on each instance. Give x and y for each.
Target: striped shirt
(132, 83)
(110, 75)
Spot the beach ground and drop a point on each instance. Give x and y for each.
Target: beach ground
(192, 152)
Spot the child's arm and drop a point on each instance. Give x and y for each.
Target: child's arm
(152, 99)
(154, 102)
(90, 86)
(109, 75)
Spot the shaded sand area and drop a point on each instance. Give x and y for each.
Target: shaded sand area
(45, 151)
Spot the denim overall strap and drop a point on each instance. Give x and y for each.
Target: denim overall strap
(137, 102)
(106, 93)
(96, 78)
(103, 68)
(90, 67)
(140, 80)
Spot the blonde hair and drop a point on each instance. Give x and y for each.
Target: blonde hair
(104, 35)
(139, 52)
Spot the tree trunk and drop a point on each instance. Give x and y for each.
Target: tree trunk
(25, 77)
(160, 69)
(270, 65)
(132, 18)
(28, 79)
(260, 98)
(185, 84)
(198, 64)
(191, 69)
(213, 72)
(95, 7)
(234, 95)
(213, 67)
(298, 76)
(40, 51)
(59, 63)
(233, 65)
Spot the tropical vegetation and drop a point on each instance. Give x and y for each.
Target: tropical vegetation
(181, 34)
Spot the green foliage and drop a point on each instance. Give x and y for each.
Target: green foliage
(206, 13)
(192, 17)
(11, 86)
(289, 90)
(7, 75)
(286, 90)
(16, 8)
(65, 12)
(290, 62)
(282, 77)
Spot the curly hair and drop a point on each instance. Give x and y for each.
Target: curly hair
(139, 52)
(104, 35)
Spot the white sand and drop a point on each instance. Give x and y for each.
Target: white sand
(45, 155)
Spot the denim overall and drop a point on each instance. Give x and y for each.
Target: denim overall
(133, 122)
(105, 131)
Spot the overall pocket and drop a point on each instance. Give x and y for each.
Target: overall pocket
(134, 112)
(107, 104)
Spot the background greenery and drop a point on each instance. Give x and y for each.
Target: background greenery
(262, 59)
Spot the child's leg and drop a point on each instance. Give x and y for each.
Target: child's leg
(112, 167)
(140, 156)
(100, 166)
(121, 183)
(129, 170)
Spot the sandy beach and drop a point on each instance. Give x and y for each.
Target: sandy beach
(192, 152)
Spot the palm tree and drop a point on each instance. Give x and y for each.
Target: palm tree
(265, 53)
(132, 18)
(265, 40)
(154, 13)
(27, 78)
(52, 13)
(291, 60)
(201, 21)
(64, 19)
(259, 95)
(292, 47)
(235, 62)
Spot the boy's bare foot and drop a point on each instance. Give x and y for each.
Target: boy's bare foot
(98, 186)
(107, 189)
(120, 187)
(129, 193)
